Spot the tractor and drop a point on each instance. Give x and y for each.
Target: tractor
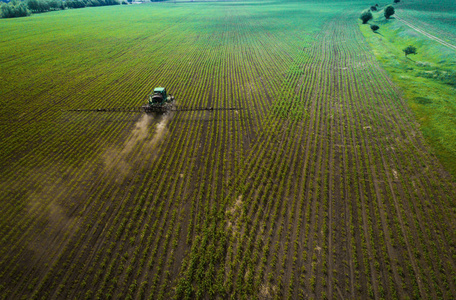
(159, 102)
(159, 97)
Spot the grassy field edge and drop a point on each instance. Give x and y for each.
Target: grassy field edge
(426, 81)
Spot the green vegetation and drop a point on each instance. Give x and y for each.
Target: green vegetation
(18, 8)
(38, 6)
(365, 16)
(429, 6)
(410, 50)
(75, 3)
(321, 187)
(428, 81)
(14, 9)
(374, 27)
(388, 11)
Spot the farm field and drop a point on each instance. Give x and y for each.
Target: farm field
(435, 16)
(427, 80)
(323, 186)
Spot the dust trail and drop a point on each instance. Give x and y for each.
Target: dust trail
(160, 130)
(139, 133)
(117, 159)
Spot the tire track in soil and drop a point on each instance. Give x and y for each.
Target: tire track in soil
(353, 96)
(366, 153)
(378, 191)
(417, 145)
(367, 158)
(432, 37)
(341, 183)
(387, 172)
(420, 156)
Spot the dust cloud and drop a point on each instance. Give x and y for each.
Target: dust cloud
(160, 130)
(45, 204)
(119, 160)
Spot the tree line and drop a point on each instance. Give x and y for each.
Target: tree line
(18, 8)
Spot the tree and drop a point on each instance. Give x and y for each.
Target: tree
(373, 8)
(389, 11)
(56, 5)
(410, 50)
(13, 10)
(38, 5)
(75, 4)
(366, 16)
(397, 1)
(375, 27)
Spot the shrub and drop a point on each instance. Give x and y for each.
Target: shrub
(366, 16)
(389, 11)
(410, 50)
(446, 76)
(375, 27)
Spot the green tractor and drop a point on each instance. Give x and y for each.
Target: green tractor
(159, 97)
(159, 102)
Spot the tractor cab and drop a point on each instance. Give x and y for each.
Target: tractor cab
(159, 97)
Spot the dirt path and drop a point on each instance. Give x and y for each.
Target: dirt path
(432, 37)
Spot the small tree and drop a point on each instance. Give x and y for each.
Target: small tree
(373, 8)
(375, 28)
(410, 50)
(389, 11)
(366, 16)
(397, 1)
